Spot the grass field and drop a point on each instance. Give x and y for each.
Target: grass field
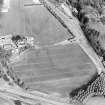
(55, 70)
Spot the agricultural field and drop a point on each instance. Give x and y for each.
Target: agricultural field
(55, 70)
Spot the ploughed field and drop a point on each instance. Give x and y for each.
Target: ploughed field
(56, 70)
